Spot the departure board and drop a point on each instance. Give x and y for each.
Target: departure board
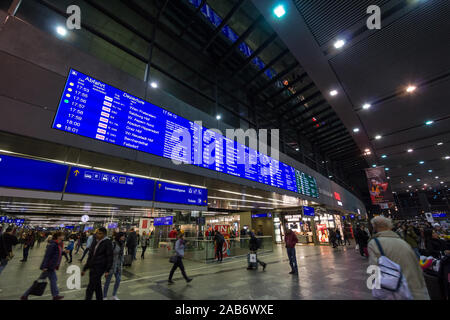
(93, 109)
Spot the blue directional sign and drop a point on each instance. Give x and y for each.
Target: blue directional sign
(16, 172)
(163, 221)
(262, 215)
(99, 183)
(169, 192)
(308, 211)
(3, 219)
(439, 215)
(112, 225)
(93, 109)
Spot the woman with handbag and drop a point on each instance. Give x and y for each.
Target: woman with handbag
(51, 262)
(177, 259)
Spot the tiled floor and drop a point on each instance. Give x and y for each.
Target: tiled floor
(325, 273)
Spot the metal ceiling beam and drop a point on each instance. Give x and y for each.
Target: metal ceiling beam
(308, 109)
(335, 129)
(241, 39)
(280, 75)
(314, 95)
(332, 142)
(334, 145)
(343, 151)
(187, 27)
(223, 23)
(314, 128)
(255, 53)
(295, 81)
(299, 92)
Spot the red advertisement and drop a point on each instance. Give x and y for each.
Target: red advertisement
(322, 232)
(378, 186)
(224, 229)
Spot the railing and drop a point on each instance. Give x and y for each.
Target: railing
(204, 250)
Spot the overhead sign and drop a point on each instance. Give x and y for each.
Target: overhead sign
(308, 211)
(113, 225)
(93, 109)
(163, 221)
(439, 215)
(169, 192)
(16, 172)
(106, 184)
(262, 215)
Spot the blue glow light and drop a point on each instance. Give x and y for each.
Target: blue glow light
(279, 11)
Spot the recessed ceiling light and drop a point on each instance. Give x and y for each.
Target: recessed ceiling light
(366, 106)
(218, 117)
(378, 137)
(387, 169)
(61, 31)
(374, 165)
(409, 186)
(330, 177)
(425, 184)
(333, 92)
(279, 11)
(366, 150)
(297, 149)
(421, 162)
(437, 177)
(410, 150)
(442, 182)
(339, 44)
(430, 170)
(409, 174)
(389, 177)
(355, 129)
(440, 143)
(418, 179)
(384, 156)
(410, 89)
(429, 122)
(154, 85)
(447, 157)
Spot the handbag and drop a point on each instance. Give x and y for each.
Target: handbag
(39, 285)
(173, 259)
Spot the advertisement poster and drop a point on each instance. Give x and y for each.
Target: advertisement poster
(322, 233)
(224, 229)
(379, 190)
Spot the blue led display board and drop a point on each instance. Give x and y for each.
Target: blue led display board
(262, 215)
(308, 211)
(93, 109)
(99, 183)
(169, 192)
(113, 225)
(23, 173)
(163, 221)
(439, 215)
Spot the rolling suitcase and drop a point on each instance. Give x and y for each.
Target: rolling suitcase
(252, 261)
(39, 285)
(127, 260)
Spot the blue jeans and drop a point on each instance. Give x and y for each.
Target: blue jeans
(118, 275)
(51, 275)
(3, 264)
(292, 259)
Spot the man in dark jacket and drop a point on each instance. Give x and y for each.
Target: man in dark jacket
(99, 263)
(132, 243)
(254, 245)
(7, 241)
(363, 239)
(291, 240)
(219, 241)
(29, 239)
(51, 262)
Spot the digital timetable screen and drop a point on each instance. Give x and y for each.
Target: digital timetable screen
(96, 110)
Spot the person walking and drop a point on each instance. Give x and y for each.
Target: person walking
(338, 237)
(179, 255)
(219, 241)
(7, 241)
(89, 241)
(132, 243)
(144, 243)
(398, 251)
(254, 245)
(363, 239)
(410, 236)
(117, 265)
(68, 250)
(28, 241)
(99, 263)
(346, 237)
(332, 237)
(50, 263)
(291, 240)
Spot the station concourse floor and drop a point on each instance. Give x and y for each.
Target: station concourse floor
(324, 273)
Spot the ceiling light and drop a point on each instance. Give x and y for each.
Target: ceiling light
(330, 177)
(440, 143)
(384, 156)
(421, 162)
(366, 106)
(374, 165)
(429, 122)
(430, 170)
(218, 117)
(339, 44)
(447, 157)
(410, 150)
(410, 89)
(297, 149)
(418, 179)
(154, 85)
(409, 174)
(378, 137)
(279, 11)
(61, 31)
(355, 130)
(437, 177)
(387, 169)
(388, 177)
(442, 182)
(333, 92)
(409, 186)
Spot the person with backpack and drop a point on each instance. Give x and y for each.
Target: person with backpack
(50, 263)
(99, 263)
(291, 240)
(116, 269)
(219, 241)
(7, 241)
(254, 245)
(178, 262)
(144, 243)
(388, 244)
